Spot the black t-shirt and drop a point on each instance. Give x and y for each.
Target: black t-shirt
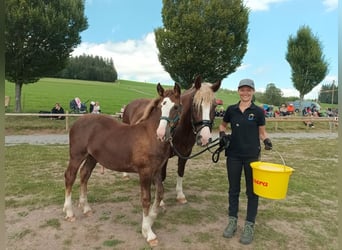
(245, 141)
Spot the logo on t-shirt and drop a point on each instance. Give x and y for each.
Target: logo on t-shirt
(251, 117)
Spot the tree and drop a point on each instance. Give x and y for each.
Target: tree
(305, 56)
(273, 95)
(88, 67)
(39, 38)
(202, 37)
(328, 93)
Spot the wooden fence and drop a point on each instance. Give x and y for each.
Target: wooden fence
(67, 115)
(332, 121)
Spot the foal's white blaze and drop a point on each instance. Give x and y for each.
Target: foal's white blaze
(166, 107)
(205, 132)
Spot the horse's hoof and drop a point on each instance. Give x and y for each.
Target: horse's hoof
(182, 201)
(70, 219)
(153, 243)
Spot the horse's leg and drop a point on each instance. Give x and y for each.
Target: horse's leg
(148, 214)
(85, 173)
(70, 176)
(163, 177)
(179, 186)
(159, 195)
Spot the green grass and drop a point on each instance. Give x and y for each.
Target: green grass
(309, 210)
(43, 94)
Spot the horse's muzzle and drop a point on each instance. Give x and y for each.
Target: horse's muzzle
(199, 141)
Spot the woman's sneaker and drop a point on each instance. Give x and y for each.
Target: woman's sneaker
(230, 230)
(247, 233)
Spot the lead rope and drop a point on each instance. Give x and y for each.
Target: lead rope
(194, 155)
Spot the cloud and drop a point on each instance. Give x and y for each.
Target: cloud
(136, 60)
(330, 5)
(262, 5)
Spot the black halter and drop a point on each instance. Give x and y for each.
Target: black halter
(198, 126)
(172, 122)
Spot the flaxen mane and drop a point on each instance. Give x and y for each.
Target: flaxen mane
(204, 95)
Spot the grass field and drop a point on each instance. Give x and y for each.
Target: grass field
(43, 94)
(306, 219)
(112, 96)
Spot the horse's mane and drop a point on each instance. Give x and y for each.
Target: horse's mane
(152, 104)
(204, 95)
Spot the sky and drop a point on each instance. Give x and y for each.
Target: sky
(124, 31)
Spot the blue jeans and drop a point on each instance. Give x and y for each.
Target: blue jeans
(234, 171)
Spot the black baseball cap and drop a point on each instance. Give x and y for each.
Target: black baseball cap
(246, 82)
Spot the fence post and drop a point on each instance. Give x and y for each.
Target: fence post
(67, 121)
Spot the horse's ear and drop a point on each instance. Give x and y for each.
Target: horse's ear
(198, 82)
(160, 90)
(216, 85)
(177, 89)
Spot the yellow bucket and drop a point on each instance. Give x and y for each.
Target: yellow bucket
(270, 180)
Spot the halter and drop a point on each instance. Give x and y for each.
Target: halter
(201, 124)
(172, 122)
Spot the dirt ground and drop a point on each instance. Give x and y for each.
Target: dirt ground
(94, 233)
(115, 225)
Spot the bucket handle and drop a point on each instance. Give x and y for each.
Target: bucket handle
(281, 157)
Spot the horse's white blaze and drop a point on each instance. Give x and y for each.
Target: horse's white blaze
(166, 107)
(68, 206)
(205, 132)
(161, 130)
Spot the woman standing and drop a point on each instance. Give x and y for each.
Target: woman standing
(247, 123)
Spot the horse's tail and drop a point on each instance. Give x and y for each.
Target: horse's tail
(153, 103)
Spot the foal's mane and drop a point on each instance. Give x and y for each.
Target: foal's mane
(204, 95)
(151, 105)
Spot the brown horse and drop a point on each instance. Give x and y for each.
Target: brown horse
(142, 148)
(195, 125)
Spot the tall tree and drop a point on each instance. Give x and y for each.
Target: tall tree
(39, 37)
(202, 37)
(273, 95)
(305, 56)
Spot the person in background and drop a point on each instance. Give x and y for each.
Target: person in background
(247, 123)
(290, 109)
(283, 110)
(57, 109)
(96, 108)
